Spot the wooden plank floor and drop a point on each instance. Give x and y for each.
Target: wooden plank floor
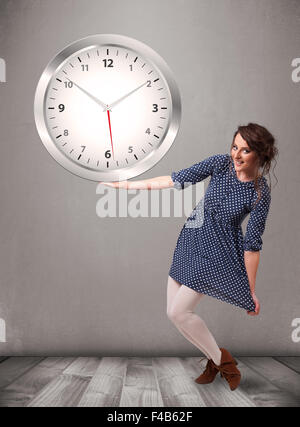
(144, 382)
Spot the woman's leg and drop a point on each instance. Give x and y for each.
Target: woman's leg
(173, 288)
(181, 303)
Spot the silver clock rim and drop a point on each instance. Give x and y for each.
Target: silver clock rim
(114, 40)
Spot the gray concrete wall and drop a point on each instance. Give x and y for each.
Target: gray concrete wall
(74, 283)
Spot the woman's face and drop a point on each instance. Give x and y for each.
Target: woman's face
(245, 159)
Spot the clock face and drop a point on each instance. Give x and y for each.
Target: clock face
(107, 108)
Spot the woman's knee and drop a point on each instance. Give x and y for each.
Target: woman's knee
(176, 315)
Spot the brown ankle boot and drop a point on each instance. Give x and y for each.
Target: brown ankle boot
(228, 369)
(209, 373)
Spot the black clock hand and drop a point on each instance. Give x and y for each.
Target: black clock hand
(94, 98)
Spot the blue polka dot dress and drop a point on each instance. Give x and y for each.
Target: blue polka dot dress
(209, 254)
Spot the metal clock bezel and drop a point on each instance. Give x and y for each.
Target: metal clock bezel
(97, 41)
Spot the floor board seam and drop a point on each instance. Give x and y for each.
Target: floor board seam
(23, 373)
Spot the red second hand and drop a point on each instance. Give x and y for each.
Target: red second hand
(110, 134)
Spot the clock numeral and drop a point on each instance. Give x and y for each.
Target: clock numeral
(149, 83)
(66, 132)
(130, 67)
(68, 84)
(155, 108)
(84, 67)
(108, 63)
(130, 149)
(107, 154)
(148, 131)
(61, 108)
(83, 148)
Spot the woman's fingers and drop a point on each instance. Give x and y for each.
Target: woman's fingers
(257, 306)
(118, 184)
(109, 184)
(257, 309)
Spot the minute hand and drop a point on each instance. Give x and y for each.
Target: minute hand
(89, 94)
(125, 96)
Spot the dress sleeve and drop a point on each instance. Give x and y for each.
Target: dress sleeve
(256, 224)
(197, 172)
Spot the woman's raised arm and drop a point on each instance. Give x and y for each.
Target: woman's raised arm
(156, 183)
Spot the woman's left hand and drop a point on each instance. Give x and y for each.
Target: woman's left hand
(257, 306)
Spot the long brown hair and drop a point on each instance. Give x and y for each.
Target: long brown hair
(262, 142)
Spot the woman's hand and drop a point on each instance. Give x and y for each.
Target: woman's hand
(118, 184)
(257, 306)
(156, 183)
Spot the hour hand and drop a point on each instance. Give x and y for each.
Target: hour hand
(94, 98)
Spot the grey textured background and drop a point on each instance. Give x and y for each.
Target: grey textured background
(73, 283)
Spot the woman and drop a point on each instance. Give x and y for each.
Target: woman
(212, 257)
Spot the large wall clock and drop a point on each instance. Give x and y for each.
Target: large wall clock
(107, 107)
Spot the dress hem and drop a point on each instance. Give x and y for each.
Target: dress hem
(209, 293)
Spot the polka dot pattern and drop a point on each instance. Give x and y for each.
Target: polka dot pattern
(209, 254)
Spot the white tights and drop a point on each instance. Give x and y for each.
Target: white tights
(181, 301)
